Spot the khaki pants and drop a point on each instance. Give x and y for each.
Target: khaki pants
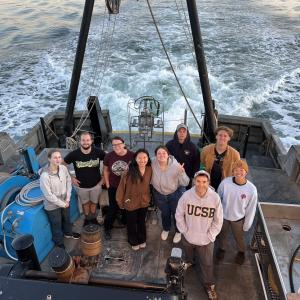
(238, 233)
(86, 195)
(205, 255)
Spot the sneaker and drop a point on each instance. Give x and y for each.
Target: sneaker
(135, 248)
(240, 258)
(177, 238)
(142, 246)
(107, 235)
(100, 220)
(211, 292)
(164, 235)
(74, 236)
(220, 254)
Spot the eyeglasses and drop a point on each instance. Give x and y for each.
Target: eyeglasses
(115, 145)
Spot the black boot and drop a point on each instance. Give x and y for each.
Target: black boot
(86, 222)
(107, 235)
(220, 254)
(240, 258)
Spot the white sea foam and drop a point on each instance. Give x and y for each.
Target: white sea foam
(251, 59)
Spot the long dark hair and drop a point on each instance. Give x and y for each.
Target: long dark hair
(133, 169)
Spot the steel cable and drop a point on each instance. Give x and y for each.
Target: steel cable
(172, 68)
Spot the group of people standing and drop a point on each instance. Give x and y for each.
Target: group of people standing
(202, 204)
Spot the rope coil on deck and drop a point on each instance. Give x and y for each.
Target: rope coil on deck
(24, 199)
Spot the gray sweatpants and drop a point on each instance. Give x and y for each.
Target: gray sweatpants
(205, 255)
(238, 233)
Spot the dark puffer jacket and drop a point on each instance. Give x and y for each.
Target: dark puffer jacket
(186, 153)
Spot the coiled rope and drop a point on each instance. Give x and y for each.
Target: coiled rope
(23, 199)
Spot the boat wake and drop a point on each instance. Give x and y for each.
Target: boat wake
(249, 53)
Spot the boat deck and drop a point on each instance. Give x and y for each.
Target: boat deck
(118, 261)
(233, 282)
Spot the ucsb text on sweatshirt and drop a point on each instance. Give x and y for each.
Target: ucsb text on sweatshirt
(199, 219)
(239, 201)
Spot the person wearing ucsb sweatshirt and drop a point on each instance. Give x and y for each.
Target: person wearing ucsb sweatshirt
(239, 200)
(199, 217)
(168, 180)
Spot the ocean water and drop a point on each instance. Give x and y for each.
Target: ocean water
(252, 51)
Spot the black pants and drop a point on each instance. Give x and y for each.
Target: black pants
(59, 220)
(113, 210)
(136, 226)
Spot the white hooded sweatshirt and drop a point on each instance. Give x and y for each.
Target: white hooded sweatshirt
(199, 219)
(168, 181)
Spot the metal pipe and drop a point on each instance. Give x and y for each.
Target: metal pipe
(101, 281)
(40, 275)
(43, 126)
(25, 250)
(127, 284)
(202, 70)
(185, 117)
(83, 35)
(246, 142)
(291, 279)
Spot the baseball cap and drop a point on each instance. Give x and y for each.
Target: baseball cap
(202, 172)
(182, 125)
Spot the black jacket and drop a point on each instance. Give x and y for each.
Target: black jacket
(186, 153)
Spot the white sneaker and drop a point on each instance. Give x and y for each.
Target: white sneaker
(164, 235)
(100, 218)
(142, 246)
(177, 238)
(135, 248)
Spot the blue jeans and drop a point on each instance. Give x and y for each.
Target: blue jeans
(167, 205)
(60, 224)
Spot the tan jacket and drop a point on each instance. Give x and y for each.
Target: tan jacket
(132, 196)
(208, 157)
